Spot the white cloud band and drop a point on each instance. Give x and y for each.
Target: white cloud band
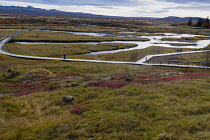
(135, 8)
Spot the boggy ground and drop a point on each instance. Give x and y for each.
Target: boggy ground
(183, 59)
(4, 34)
(112, 101)
(77, 51)
(58, 50)
(47, 36)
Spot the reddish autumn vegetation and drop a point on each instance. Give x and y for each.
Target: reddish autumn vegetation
(157, 78)
(35, 91)
(148, 76)
(11, 86)
(117, 81)
(109, 84)
(29, 92)
(77, 110)
(25, 89)
(198, 74)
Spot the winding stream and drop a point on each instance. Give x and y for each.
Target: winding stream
(79, 33)
(154, 41)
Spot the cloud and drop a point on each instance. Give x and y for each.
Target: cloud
(83, 2)
(193, 6)
(127, 8)
(108, 2)
(187, 1)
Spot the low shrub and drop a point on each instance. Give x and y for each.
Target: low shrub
(77, 110)
(148, 76)
(198, 74)
(28, 92)
(34, 75)
(46, 89)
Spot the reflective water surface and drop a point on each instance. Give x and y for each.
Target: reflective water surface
(154, 41)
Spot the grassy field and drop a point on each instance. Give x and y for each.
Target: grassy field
(170, 29)
(58, 50)
(137, 54)
(112, 101)
(75, 28)
(6, 33)
(76, 50)
(183, 59)
(139, 29)
(44, 36)
(196, 38)
(198, 57)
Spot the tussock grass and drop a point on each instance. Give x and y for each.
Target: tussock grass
(178, 109)
(34, 75)
(156, 110)
(146, 111)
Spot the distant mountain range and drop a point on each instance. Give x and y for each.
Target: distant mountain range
(38, 11)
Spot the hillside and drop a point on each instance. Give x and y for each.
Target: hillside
(38, 11)
(53, 12)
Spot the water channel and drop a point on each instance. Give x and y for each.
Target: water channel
(154, 41)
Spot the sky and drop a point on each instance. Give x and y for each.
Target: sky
(126, 8)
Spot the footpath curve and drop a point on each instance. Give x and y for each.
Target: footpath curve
(139, 62)
(3, 42)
